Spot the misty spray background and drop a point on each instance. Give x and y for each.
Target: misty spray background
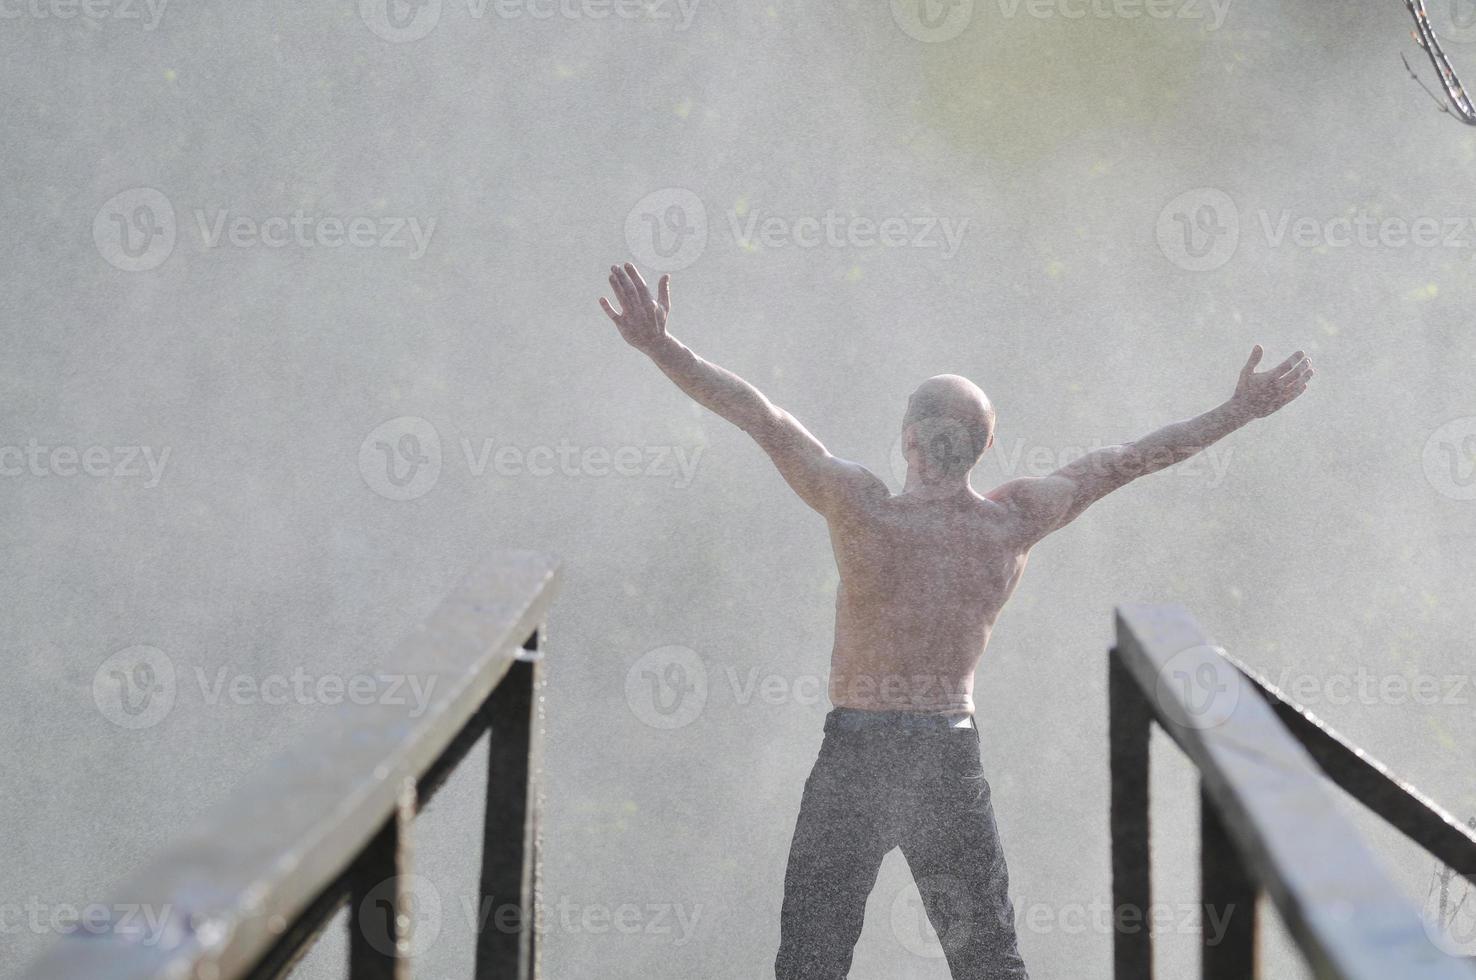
(1118, 182)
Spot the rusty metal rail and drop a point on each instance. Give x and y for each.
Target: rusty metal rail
(1268, 824)
(249, 889)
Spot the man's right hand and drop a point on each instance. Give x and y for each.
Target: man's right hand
(641, 320)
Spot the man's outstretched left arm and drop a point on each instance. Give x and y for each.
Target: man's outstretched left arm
(823, 481)
(1047, 503)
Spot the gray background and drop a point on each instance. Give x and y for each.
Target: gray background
(1337, 537)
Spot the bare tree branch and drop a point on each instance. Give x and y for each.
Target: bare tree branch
(1440, 102)
(1457, 102)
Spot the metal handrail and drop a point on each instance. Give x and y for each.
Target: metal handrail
(246, 891)
(1267, 821)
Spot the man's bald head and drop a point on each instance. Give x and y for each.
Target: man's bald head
(948, 425)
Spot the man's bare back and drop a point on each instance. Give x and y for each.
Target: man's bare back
(922, 581)
(925, 573)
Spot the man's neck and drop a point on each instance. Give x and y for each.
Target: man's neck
(933, 489)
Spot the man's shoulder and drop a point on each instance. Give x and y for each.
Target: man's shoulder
(854, 489)
(1031, 492)
(1033, 501)
(859, 481)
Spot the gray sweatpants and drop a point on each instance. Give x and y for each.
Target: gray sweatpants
(896, 785)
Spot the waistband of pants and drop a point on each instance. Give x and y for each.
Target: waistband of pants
(857, 720)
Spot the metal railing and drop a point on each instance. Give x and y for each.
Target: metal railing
(246, 891)
(1267, 822)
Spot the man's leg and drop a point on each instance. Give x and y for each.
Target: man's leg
(838, 846)
(953, 848)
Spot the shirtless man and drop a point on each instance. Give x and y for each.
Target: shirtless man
(923, 576)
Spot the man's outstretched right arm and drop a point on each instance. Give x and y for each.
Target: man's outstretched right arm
(823, 481)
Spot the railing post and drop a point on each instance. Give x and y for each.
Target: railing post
(1129, 724)
(509, 843)
(1230, 948)
(381, 905)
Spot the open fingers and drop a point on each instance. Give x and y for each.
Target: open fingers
(1298, 367)
(624, 291)
(663, 293)
(1252, 361)
(1298, 380)
(1287, 364)
(619, 293)
(609, 310)
(642, 292)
